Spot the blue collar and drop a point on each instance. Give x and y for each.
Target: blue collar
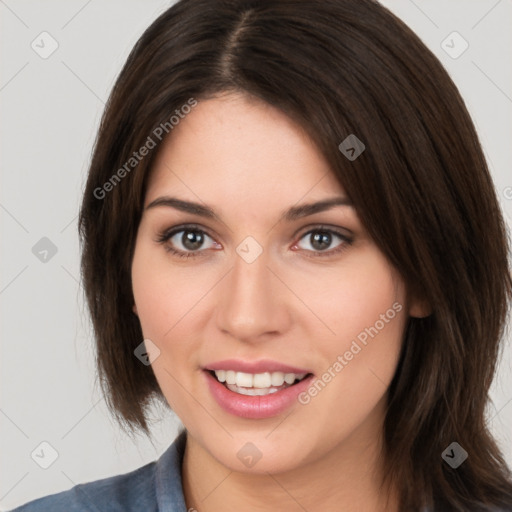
(168, 481)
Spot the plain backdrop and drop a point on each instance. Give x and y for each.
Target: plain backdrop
(50, 110)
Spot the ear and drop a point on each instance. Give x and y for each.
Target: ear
(134, 309)
(419, 308)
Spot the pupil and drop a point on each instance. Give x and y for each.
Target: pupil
(321, 240)
(192, 240)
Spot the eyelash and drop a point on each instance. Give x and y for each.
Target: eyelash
(164, 236)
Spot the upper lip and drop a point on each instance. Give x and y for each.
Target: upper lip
(261, 366)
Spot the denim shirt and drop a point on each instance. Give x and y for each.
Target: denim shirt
(155, 487)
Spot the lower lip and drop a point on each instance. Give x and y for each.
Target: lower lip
(255, 407)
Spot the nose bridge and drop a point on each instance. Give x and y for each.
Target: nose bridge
(250, 304)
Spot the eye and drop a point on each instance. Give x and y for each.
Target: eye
(186, 241)
(191, 241)
(320, 239)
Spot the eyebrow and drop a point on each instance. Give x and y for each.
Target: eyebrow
(293, 213)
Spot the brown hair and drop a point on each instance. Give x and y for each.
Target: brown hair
(421, 188)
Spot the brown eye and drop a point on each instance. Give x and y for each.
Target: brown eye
(186, 241)
(191, 240)
(321, 240)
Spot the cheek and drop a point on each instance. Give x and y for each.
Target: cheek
(159, 297)
(361, 300)
(169, 307)
(164, 294)
(151, 298)
(365, 309)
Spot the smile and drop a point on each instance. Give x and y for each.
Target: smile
(255, 390)
(257, 384)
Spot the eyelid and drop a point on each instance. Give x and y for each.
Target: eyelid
(319, 226)
(168, 232)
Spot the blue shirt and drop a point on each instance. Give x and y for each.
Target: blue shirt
(155, 487)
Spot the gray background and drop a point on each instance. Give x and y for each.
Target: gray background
(50, 110)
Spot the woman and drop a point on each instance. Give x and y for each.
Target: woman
(291, 237)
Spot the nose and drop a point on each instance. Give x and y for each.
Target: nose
(252, 301)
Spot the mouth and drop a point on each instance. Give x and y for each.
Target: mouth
(256, 389)
(257, 384)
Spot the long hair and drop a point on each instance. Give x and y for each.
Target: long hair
(421, 188)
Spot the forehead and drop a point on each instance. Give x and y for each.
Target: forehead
(243, 152)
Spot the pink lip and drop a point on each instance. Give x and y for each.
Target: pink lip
(256, 407)
(264, 365)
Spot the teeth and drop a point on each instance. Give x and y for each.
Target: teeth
(289, 378)
(251, 391)
(257, 380)
(261, 380)
(277, 378)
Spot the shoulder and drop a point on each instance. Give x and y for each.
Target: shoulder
(155, 486)
(130, 491)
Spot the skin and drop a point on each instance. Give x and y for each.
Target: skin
(249, 162)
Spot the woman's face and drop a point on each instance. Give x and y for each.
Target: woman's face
(263, 290)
